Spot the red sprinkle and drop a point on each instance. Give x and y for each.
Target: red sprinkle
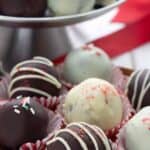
(87, 48)
(98, 53)
(146, 122)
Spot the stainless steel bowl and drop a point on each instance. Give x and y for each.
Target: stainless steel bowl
(21, 38)
(56, 21)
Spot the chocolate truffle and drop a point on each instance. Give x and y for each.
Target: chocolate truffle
(35, 77)
(138, 89)
(105, 2)
(136, 133)
(94, 101)
(69, 7)
(88, 61)
(22, 121)
(79, 136)
(23, 8)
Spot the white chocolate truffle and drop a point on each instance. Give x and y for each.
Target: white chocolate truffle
(87, 62)
(136, 133)
(69, 7)
(94, 101)
(105, 2)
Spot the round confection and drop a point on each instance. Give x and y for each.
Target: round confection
(79, 136)
(22, 121)
(86, 62)
(136, 133)
(138, 89)
(94, 101)
(35, 77)
(105, 2)
(23, 8)
(69, 7)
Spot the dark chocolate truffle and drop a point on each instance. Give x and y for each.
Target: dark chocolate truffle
(35, 77)
(138, 89)
(22, 121)
(79, 136)
(23, 8)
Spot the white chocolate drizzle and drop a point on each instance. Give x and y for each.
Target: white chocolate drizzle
(22, 77)
(33, 73)
(100, 134)
(87, 132)
(29, 62)
(129, 81)
(144, 87)
(51, 78)
(141, 98)
(30, 90)
(64, 142)
(136, 87)
(85, 127)
(46, 60)
(76, 136)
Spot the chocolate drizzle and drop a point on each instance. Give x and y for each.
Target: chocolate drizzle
(79, 136)
(36, 77)
(138, 89)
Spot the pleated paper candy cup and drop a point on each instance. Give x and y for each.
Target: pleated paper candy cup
(50, 103)
(128, 113)
(120, 140)
(56, 122)
(4, 82)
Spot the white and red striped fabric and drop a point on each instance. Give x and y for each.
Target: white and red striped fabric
(128, 30)
(135, 14)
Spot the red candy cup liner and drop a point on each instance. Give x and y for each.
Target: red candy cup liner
(50, 103)
(3, 101)
(56, 122)
(120, 143)
(119, 80)
(128, 113)
(4, 87)
(39, 145)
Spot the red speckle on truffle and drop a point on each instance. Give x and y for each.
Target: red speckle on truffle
(106, 89)
(146, 122)
(87, 48)
(81, 133)
(90, 97)
(93, 88)
(98, 53)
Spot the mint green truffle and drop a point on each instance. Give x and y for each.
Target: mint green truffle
(105, 2)
(86, 62)
(69, 7)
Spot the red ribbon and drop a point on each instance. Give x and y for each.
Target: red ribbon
(132, 11)
(127, 39)
(136, 15)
